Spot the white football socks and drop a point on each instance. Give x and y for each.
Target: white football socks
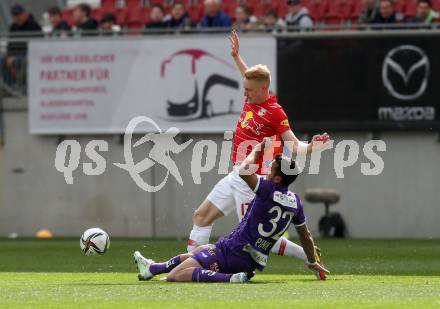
(285, 247)
(199, 236)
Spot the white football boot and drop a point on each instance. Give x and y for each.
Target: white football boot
(143, 266)
(239, 278)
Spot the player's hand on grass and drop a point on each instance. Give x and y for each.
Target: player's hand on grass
(316, 267)
(320, 141)
(235, 44)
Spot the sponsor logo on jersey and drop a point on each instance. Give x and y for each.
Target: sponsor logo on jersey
(249, 123)
(262, 112)
(284, 199)
(285, 122)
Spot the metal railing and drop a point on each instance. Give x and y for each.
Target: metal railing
(13, 46)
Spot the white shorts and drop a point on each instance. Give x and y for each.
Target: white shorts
(230, 193)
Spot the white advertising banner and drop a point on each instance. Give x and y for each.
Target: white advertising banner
(97, 87)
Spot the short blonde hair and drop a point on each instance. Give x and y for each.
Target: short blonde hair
(259, 72)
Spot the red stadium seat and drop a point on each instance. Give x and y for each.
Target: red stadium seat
(436, 5)
(97, 13)
(400, 5)
(137, 18)
(318, 9)
(108, 4)
(357, 11)
(338, 11)
(67, 15)
(410, 9)
(121, 16)
(195, 11)
(131, 4)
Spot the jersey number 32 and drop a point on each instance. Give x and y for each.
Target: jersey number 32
(276, 232)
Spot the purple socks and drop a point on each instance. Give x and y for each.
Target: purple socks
(203, 275)
(160, 268)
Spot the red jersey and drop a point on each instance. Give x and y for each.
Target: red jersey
(256, 122)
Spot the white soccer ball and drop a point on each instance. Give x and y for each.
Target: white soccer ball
(94, 241)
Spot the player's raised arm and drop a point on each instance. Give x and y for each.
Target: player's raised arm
(296, 146)
(235, 52)
(248, 166)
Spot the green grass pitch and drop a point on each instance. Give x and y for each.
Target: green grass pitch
(365, 274)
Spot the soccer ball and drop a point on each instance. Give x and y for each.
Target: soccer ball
(94, 241)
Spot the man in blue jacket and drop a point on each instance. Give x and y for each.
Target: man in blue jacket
(214, 17)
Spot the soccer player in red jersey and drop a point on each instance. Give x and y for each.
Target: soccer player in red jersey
(261, 117)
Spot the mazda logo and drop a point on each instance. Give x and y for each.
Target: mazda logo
(405, 72)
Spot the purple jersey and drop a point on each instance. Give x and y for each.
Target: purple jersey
(266, 220)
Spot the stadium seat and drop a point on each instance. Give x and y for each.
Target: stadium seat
(400, 5)
(108, 3)
(121, 16)
(318, 9)
(68, 16)
(132, 4)
(338, 12)
(195, 11)
(436, 5)
(410, 9)
(137, 18)
(356, 11)
(97, 13)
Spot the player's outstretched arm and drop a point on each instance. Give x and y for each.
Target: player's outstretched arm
(235, 52)
(248, 166)
(296, 146)
(308, 245)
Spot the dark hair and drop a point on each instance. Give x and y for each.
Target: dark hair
(287, 179)
(17, 9)
(54, 10)
(428, 2)
(160, 7)
(85, 8)
(108, 18)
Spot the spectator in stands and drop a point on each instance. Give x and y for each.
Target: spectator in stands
(244, 19)
(157, 15)
(369, 12)
(22, 20)
(214, 17)
(387, 13)
(180, 19)
(13, 66)
(83, 19)
(272, 23)
(298, 15)
(425, 13)
(108, 24)
(58, 24)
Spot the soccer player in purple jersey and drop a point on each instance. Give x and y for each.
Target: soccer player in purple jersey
(234, 258)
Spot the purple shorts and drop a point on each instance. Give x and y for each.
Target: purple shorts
(219, 258)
